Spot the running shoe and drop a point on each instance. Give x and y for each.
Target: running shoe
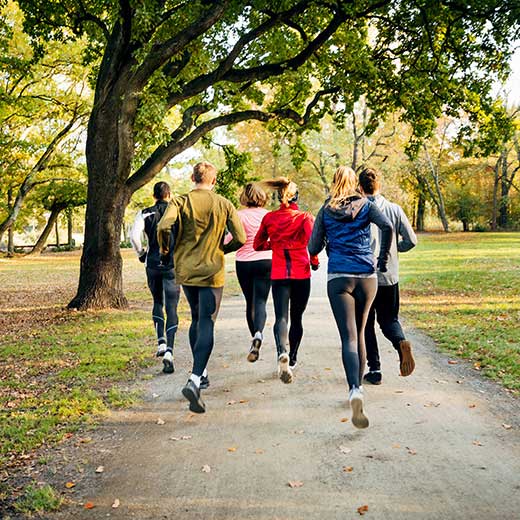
(254, 351)
(406, 360)
(204, 382)
(359, 419)
(192, 393)
(284, 371)
(374, 377)
(168, 367)
(161, 349)
(292, 361)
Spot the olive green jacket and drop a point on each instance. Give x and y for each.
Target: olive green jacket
(202, 217)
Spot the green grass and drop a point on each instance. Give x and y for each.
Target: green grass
(463, 291)
(38, 500)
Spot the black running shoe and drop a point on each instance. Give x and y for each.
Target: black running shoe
(204, 382)
(374, 378)
(168, 367)
(192, 393)
(292, 361)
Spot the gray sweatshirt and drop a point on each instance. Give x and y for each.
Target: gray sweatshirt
(403, 238)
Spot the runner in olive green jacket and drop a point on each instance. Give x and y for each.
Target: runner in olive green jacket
(202, 217)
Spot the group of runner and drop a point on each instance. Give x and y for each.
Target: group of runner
(188, 237)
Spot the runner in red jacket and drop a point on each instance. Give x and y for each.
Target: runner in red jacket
(286, 232)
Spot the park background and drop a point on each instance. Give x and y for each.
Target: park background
(449, 157)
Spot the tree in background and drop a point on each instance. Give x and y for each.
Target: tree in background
(170, 72)
(43, 103)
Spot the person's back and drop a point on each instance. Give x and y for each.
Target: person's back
(403, 237)
(199, 252)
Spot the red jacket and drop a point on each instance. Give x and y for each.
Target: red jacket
(286, 231)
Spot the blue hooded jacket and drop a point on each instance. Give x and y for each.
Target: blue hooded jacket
(345, 234)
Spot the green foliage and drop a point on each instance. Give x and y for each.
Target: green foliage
(38, 500)
(236, 173)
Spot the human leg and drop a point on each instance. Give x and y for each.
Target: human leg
(246, 281)
(281, 294)
(300, 292)
(373, 376)
(155, 284)
(171, 298)
(387, 311)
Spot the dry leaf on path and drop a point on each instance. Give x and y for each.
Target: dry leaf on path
(506, 426)
(396, 445)
(327, 368)
(259, 451)
(89, 505)
(299, 432)
(295, 483)
(100, 469)
(242, 401)
(432, 404)
(261, 380)
(160, 421)
(225, 365)
(441, 381)
(399, 392)
(362, 510)
(186, 437)
(344, 449)
(411, 451)
(206, 468)
(155, 396)
(70, 485)
(452, 362)
(116, 503)
(344, 419)
(477, 443)
(232, 449)
(348, 469)
(472, 406)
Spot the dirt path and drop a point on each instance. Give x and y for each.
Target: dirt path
(437, 447)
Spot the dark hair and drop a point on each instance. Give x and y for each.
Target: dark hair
(369, 181)
(161, 190)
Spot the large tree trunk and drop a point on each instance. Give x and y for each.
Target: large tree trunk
(109, 154)
(42, 241)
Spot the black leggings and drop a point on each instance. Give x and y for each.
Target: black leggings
(255, 281)
(166, 294)
(204, 304)
(350, 299)
(293, 294)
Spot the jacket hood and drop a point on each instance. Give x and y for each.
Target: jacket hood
(349, 210)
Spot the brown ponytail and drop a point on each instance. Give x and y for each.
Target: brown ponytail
(286, 189)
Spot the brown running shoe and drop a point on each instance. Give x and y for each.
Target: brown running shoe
(406, 360)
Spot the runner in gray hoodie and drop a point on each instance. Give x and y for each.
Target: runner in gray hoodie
(386, 303)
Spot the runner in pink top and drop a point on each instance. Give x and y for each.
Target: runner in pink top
(254, 267)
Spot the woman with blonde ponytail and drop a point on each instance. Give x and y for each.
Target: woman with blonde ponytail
(343, 228)
(286, 231)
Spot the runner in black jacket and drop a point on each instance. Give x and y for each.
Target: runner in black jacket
(159, 272)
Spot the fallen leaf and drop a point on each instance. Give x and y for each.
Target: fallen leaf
(85, 440)
(100, 469)
(299, 432)
(452, 362)
(160, 421)
(362, 510)
(232, 449)
(295, 483)
(175, 438)
(441, 381)
(344, 449)
(399, 392)
(344, 419)
(396, 445)
(227, 390)
(116, 503)
(459, 381)
(432, 404)
(261, 380)
(206, 468)
(225, 366)
(89, 505)
(259, 451)
(70, 485)
(472, 406)
(506, 426)
(155, 396)
(411, 451)
(348, 469)
(327, 368)
(242, 401)
(477, 366)
(477, 443)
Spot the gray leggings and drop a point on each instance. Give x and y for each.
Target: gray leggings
(350, 299)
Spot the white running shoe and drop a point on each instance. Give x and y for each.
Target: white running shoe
(359, 419)
(161, 349)
(284, 371)
(168, 367)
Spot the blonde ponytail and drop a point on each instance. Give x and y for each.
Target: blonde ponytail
(344, 184)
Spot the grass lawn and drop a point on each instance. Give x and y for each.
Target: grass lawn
(463, 290)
